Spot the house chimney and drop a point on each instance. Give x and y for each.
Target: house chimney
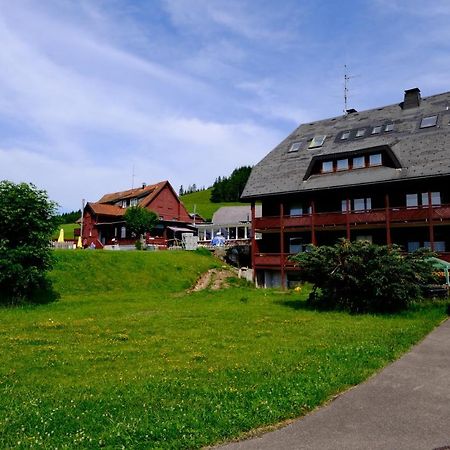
(412, 98)
(351, 111)
(144, 185)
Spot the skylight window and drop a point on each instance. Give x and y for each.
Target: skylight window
(376, 130)
(361, 132)
(345, 135)
(428, 122)
(389, 127)
(317, 141)
(295, 147)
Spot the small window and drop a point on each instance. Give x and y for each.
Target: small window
(133, 202)
(123, 232)
(429, 121)
(295, 147)
(317, 141)
(342, 164)
(388, 127)
(436, 198)
(296, 210)
(345, 135)
(412, 200)
(359, 162)
(361, 132)
(376, 130)
(344, 206)
(375, 160)
(327, 166)
(413, 246)
(362, 204)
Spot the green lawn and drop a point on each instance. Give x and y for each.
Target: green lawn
(68, 230)
(203, 205)
(126, 358)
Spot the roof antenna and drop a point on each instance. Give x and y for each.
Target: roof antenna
(346, 80)
(132, 178)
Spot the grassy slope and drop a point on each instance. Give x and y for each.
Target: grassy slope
(204, 206)
(127, 358)
(68, 230)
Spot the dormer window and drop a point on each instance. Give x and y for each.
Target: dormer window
(133, 202)
(360, 133)
(295, 147)
(359, 162)
(342, 164)
(428, 122)
(317, 141)
(375, 159)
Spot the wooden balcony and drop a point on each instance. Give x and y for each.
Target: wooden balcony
(393, 216)
(274, 260)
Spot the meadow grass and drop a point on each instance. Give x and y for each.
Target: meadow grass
(127, 358)
(203, 205)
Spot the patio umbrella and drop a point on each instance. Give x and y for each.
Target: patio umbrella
(79, 244)
(61, 235)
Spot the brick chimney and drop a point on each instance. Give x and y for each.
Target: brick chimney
(412, 98)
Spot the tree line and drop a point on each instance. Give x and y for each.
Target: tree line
(229, 189)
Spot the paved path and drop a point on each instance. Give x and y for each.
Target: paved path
(406, 406)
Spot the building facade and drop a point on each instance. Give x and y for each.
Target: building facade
(104, 223)
(381, 175)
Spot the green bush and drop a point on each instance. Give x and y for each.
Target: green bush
(363, 277)
(27, 219)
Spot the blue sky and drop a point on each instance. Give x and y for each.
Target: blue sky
(187, 90)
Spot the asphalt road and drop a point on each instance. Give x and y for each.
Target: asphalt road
(405, 406)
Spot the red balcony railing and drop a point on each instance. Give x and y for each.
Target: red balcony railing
(374, 216)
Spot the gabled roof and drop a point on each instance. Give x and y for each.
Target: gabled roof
(228, 215)
(105, 209)
(420, 152)
(145, 194)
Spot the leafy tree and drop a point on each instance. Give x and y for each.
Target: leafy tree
(27, 220)
(140, 220)
(362, 277)
(229, 189)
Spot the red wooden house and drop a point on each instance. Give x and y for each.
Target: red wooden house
(381, 175)
(104, 224)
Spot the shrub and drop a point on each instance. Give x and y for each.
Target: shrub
(27, 220)
(363, 277)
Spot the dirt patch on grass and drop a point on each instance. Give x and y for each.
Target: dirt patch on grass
(214, 279)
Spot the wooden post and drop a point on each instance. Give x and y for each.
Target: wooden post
(253, 242)
(282, 255)
(388, 220)
(430, 221)
(347, 219)
(313, 225)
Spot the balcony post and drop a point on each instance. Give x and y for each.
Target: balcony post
(430, 221)
(282, 262)
(388, 220)
(347, 219)
(252, 225)
(313, 224)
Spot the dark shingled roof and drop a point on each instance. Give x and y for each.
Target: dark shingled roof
(420, 152)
